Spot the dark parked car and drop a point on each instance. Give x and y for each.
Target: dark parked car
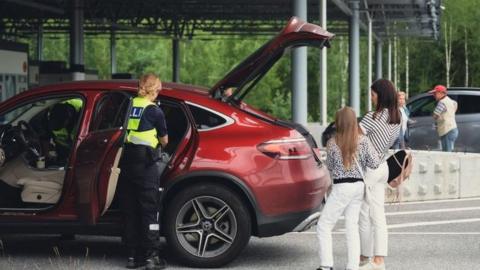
(422, 130)
(234, 171)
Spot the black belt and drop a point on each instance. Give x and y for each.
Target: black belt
(347, 180)
(132, 145)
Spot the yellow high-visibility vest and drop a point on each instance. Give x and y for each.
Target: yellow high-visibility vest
(62, 136)
(147, 137)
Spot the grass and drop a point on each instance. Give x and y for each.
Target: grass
(57, 261)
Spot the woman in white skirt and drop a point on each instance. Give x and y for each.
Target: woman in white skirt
(348, 155)
(382, 127)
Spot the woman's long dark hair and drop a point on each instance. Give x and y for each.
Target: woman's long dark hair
(386, 99)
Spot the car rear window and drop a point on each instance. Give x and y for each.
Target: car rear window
(468, 104)
(205, 119)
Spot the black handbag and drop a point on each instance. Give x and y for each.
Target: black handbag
(399, 167)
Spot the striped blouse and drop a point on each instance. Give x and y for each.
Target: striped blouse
(379, 131)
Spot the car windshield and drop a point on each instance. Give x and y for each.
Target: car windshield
(17, 114)
(26, 112)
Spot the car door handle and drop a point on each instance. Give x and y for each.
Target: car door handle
(103, 142)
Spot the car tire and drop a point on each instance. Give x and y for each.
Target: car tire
(206, 225)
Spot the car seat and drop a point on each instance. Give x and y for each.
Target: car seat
(37, 191)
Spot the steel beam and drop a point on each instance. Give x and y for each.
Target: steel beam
(113, 51)
(38, 6)
(40, 43)
(348, 11)
(176, 60)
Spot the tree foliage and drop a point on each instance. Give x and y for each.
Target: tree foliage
(204, 61)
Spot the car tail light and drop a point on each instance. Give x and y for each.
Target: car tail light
(286, 149)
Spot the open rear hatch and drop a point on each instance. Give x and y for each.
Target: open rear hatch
(295, 34)
(243, 77)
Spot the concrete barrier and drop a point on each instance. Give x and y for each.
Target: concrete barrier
(435, 176)
(469, 175)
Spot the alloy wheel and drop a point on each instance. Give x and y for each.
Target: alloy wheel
(206, 226)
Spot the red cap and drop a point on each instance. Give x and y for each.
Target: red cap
(438, 89)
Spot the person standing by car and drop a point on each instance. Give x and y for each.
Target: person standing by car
(444, 115)
(403, 138)
(382, 127)
(140, 180)
(348, 154)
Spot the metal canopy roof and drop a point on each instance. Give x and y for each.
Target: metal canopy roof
(188, 18)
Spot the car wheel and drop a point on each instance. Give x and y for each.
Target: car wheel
(207, 225)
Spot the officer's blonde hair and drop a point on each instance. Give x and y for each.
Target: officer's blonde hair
(148, 85)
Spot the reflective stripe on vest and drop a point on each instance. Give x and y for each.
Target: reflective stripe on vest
(146, 137)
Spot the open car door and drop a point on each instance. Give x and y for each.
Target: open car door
(296, 33)
(98, 155)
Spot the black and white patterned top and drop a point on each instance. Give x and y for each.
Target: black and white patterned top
(366, 157)
(379, 131)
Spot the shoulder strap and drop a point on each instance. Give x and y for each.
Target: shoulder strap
(359, 168)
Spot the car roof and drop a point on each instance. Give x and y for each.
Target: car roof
(458, 88)
(174, 90)
(452, 90)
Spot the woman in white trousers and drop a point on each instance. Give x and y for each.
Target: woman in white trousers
(348, 154)
(382, 127)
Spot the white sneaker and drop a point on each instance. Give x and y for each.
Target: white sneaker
(372, 266)
(364, 261)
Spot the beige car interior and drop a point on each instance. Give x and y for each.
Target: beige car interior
(112, 181)
(38, 185)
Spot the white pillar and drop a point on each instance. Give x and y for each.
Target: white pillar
(378, 60)
(323, 67)
(389, 60)
(76, 41)
(299, 72)
(407, 70)
(354, 64)
(369, 72)
(395, 61)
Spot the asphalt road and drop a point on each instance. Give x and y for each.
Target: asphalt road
(426, 236)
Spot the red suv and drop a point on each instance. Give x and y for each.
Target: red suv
(234, 171)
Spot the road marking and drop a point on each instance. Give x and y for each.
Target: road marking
(416, 224)
(417, 212)
(409, 233)
(433, 201)
(431, 223)
(424, 233)
(444, 210)
(434, 233)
